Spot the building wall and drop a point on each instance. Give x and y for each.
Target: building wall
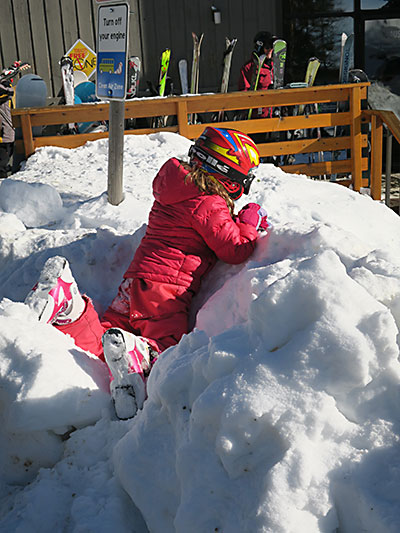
(41, 31)
(170, 23)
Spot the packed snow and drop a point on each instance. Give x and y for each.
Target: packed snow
(381, 97)
(279, 412)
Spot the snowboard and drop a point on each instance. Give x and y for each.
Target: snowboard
(79, 77)
(345, 57)
(67, 78)
(86, 91)
(134, 66)
(30, 91)
(183, 76)
(279, 61)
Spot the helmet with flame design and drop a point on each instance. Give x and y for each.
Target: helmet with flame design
(229, 156)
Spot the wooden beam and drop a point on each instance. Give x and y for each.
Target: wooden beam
(355, 134)
(389, 118)
(305, 146)
(73, 141)
(158, 106)
(392, 122)
(29, 147)
(326, 167)
(262, 125)
(376, 156)
(182, 115)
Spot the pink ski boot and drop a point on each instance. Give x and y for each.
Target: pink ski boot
(55, 297)
(129, 361)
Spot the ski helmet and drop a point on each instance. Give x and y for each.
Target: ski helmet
(263, 39)
(228, 155)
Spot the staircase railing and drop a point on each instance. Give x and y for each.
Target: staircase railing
(378, 120)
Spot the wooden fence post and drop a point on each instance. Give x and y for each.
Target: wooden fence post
(27, 135)
(376, 157)
(355, 134)
(182, 116)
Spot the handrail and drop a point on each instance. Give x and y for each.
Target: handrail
(378, 118)
(208, 104)
(389, 118)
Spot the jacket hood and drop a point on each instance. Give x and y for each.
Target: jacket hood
(169, 185)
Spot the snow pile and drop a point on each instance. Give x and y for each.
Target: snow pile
(278, 413)
(381, 97)
(35, 204)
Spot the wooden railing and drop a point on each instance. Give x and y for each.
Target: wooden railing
(378, 119)
(207, 105)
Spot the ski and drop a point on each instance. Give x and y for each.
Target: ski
(160, 122)
(229, 48)
(194, 85)
(11, 72)
(347, 46)
(313, 65)
(195, 75)
(165, 58)
(311, 73)
(183, 75)
(227, 60)
(345, 57)
(67, 76)
(134, 66)
(258, 61)
(278, 68)
(279, 60)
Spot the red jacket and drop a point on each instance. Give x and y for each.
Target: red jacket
(186, 233)
(265, 82)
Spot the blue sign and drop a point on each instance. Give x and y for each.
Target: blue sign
(112, 51)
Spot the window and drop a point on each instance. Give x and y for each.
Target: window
(377, 4)
(314, 28)
(382, 52)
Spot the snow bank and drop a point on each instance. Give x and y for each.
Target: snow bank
(278, 413)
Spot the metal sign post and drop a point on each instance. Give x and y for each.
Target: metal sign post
(111, 65)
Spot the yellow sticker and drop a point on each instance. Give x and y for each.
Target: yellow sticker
(83, 58)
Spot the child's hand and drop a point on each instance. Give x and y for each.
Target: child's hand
(255, 215)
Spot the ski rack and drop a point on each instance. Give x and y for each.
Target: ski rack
(354, 169)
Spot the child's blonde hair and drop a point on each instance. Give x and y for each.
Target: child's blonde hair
(206, 182)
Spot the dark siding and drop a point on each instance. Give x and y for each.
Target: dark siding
(41, 31)
(169, 23)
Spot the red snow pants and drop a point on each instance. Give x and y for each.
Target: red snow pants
(157, 311)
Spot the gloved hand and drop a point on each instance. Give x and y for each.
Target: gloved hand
(255, 215)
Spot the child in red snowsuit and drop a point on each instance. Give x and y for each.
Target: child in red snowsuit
(191, 225)
(263, 46)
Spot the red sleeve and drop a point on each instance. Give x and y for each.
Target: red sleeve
(232, 242)
(265, 82)
(244, 82)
